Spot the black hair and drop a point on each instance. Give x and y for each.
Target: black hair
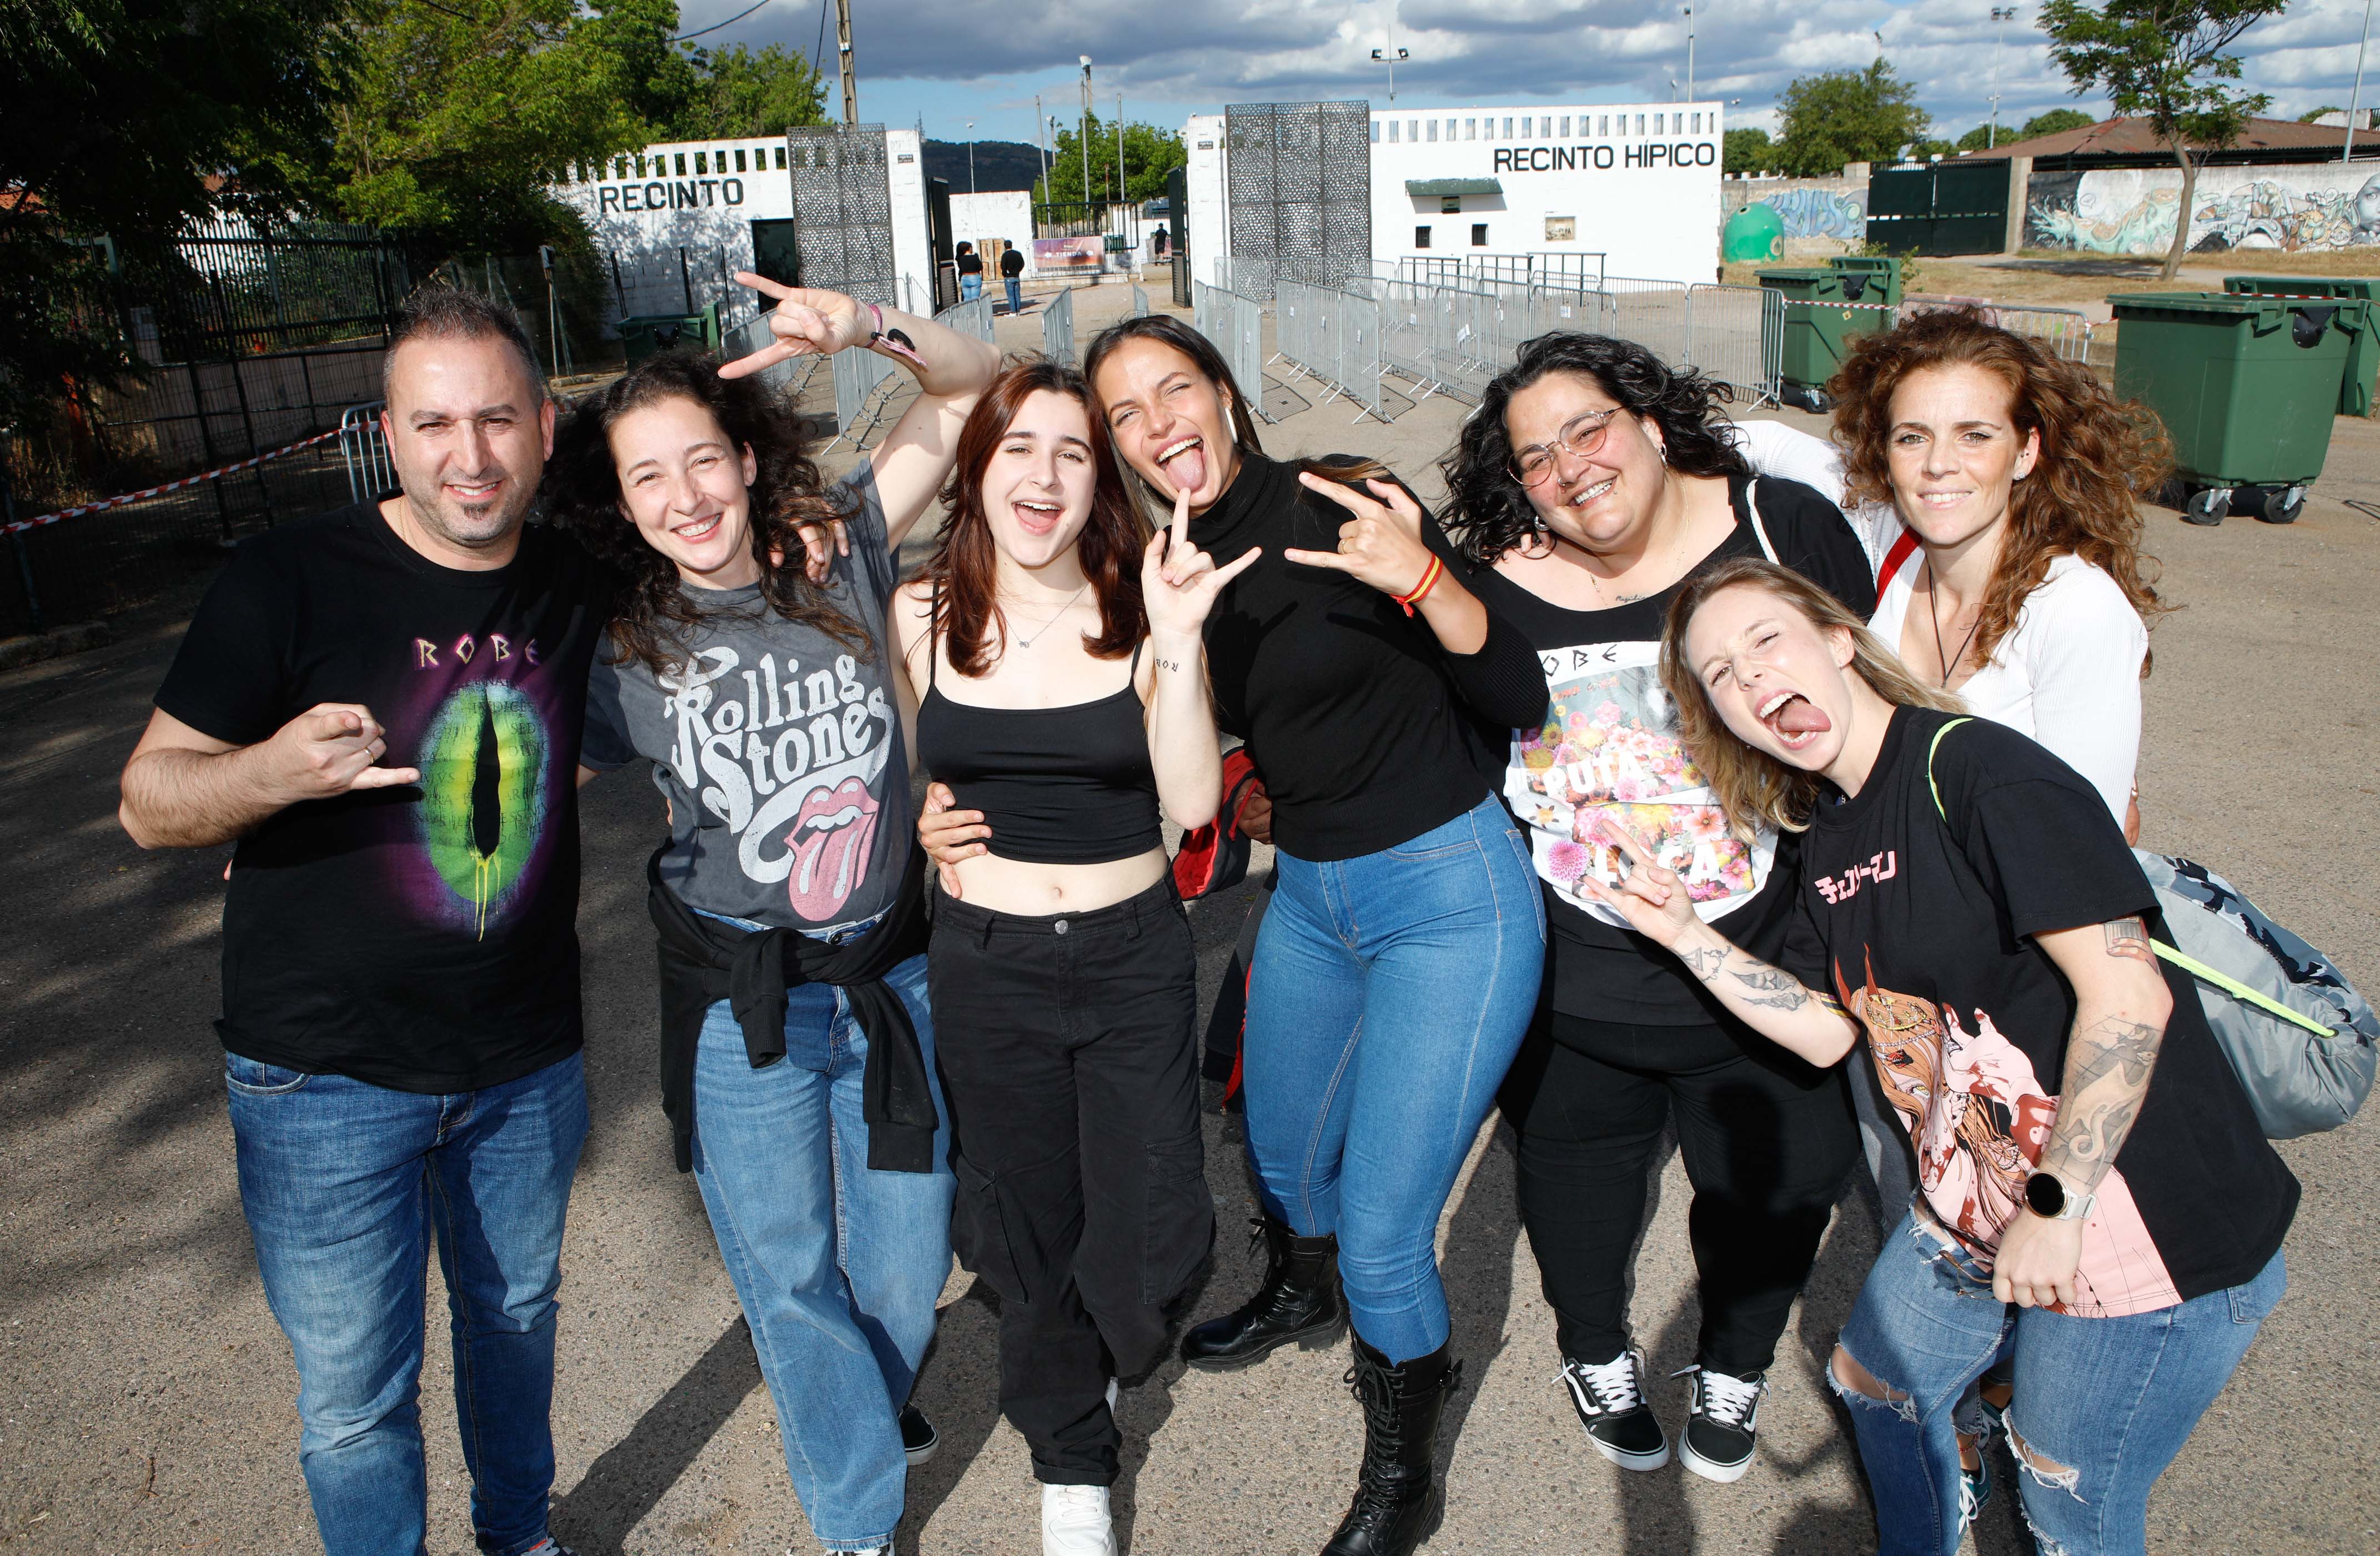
(655, 612)
(451, 313)
(1487, 512)
(964, 247)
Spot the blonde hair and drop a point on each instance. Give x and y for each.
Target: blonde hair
(1750, 785)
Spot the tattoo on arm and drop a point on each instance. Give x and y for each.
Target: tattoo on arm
(1778, 990)
(2108, 1072)
(1704, 961)
(2129, 937)
(1163, 663)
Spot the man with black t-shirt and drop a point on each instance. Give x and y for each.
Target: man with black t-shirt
(381, 706)
(1012, 276)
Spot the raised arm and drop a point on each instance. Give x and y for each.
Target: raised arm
(2121, 1006)
(1179, 583)
(183, 789)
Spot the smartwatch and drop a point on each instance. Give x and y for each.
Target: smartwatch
(2046, 1196)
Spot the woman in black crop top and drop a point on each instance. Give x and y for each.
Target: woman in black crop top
(1065, 696)
(1400, 959)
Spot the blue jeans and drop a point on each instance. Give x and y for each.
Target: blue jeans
(970, 287)
(1388, 996)
(1015, 293)
(2101, 1407)
(343, 1184)
(837, 1267)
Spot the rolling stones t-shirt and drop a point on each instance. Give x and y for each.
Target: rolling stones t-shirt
(779, 747)
(1925, 925)
(420, 938)
(1609, 745)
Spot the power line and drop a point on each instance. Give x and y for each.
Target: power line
(717, 25)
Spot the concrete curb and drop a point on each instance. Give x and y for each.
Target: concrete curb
(18, 652)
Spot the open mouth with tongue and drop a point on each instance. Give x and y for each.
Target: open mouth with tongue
(831, 842)
(1036, 517)
(1794, 719)
(1184, 463)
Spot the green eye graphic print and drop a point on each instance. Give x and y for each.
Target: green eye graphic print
(483, 797)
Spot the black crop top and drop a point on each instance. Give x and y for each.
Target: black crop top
(1068, 785)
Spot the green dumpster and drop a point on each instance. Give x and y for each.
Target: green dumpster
(1825, 309)
(2246, 386)
(649, 334)
(1883, 268)
(2355, 392)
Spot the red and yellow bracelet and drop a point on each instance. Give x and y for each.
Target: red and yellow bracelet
(1429, 576)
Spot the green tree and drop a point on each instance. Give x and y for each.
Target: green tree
(1981, 138)
(2164, 61)
(2311, 114)
(1747, 150)
(2058, 121)
(737, 92)
(1150, 154)
(1844, 116)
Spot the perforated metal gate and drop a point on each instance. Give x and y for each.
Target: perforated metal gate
(1298, 178)
(843, 210)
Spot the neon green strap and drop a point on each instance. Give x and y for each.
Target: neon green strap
(2190, 964)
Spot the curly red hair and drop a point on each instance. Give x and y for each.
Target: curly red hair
(2100, 457)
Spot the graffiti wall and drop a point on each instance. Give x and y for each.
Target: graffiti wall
(1833, 208)
(2132, 211)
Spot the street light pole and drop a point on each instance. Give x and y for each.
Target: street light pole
(1086, 136)
(1392, 54)
(1690, 53)
(2355, 101)
(970, 124)
(2003, 14)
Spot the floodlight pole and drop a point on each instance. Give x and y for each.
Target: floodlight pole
(843, 52)
(1690, 53)
(1086, 137)
(2355, 100)
(1118, 151)
(2003, 14)
(970, 124)
(1392, 54)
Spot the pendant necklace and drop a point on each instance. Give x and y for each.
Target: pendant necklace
(1934, 612)
(1042, 627)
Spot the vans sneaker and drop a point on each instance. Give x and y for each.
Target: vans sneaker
(1609, 1398)
(1075, 1522)
(918, 1438)
(1723, 1414)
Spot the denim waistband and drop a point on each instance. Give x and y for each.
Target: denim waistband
(834, 935)
(1131, 915)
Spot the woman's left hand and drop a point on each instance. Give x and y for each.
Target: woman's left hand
(2037, 1257)
(1381, 545)
(1179, 582)
(805, 321)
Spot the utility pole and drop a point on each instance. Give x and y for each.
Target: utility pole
(1041, 143)
(2002, 15)
(970, 124)
(1119, 196)
(843, 52)
(1690, 53)
(2355, 101)
(1086, 137)
(1392, 54)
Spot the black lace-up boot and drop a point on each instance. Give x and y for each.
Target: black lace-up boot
(1397, 1500)
(1299, 1300)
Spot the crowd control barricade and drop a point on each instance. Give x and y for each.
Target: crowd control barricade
(364, 449)
(2065, 330)
(969, 319)
(1736, 334)
(864, 386)
(789, 379)
(1655, 314)
(1235, 326)
(1139, 302)
(1058, 329)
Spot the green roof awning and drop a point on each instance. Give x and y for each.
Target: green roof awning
(1453, 187)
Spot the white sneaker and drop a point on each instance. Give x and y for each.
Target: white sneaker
(1075, 1522)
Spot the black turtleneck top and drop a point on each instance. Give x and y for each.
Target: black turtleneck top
(1366, 730)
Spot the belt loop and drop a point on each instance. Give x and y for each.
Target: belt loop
(983, 933)
(1139, 912)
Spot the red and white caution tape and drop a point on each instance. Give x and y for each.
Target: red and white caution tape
(170, 486)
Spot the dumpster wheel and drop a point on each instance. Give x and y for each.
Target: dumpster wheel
(2282, 505)
(2209, 506)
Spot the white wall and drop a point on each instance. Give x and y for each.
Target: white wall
(641, 210)
(1210, 232)
(1006, 215)
(913, 243)
(1639, 181)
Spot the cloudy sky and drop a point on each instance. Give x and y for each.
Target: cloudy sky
(954, 60)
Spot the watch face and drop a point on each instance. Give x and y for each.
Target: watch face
(2045, 1194)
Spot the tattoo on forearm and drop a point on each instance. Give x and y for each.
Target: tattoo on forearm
(2108, 1072)
(1704, 961)
(1163, 663)
(2129, 937)
(1778, 990)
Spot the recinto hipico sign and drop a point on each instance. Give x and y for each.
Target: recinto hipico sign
(669, 194)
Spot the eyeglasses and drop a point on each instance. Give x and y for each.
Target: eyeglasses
(1581, 437)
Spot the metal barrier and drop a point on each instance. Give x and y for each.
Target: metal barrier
(1657, 315)
(2065, 330)
(364, 449)
(969, 318)
(1139, 302)
(1333, 336)
(864, 385)
(1236, 325)
(1736, 334)
(790, 379)
(1058, 328)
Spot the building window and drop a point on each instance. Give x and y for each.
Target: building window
(739, 159)
(1562, 229)
(1375, 132)
(1640, 123)
(1526, 131)
(1607, 125)
(1449, 205)
(681, 163)
(1565, 129)
(1433, 129)
(780, 157)
(1392, 132)
(1449, 129)
(1421, 237)
(1480, 235)
(1471, 129)
(1698, 124)
(1486, 129)
(1508, 129)
(699, 166)
(1412, 130)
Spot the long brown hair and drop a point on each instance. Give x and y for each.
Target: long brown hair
(965, 568)
(1750, 784)
(656, 614)
(2100, 457)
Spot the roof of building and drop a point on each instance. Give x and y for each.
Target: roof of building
(2132, 137)
(1453, 187)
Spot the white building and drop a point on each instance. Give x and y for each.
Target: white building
(679, 218)
(1637, 182)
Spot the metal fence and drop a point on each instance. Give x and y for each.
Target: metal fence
(1736, 334)
(1235, 325)
(1058, 328)
(1333, 339)
(1139, 302)
(969, 319)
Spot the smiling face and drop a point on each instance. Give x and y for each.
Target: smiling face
(1954, 452)
(1039, 484)
(687, 490)
(1780, 683)
(1603, 500)
(1170, 422)
(469, 433)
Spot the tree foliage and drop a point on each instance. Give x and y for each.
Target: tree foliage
(2164, 61)
(1150, 152)
(1844, 116)
(2058, 121)
(1747, 150)
(737, 91)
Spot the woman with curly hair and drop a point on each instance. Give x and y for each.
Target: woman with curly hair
(1591, 485)
(797, 1048)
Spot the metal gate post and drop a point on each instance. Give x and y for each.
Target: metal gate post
(207, 448)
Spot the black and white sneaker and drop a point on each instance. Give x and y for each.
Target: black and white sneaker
(1723, 1414)
(918, 1438)
(1609, 1398)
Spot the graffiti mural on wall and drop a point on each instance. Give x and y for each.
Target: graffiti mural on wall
(1821, 213)
(2131, 213)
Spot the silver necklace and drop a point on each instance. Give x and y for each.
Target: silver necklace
(1041, 628)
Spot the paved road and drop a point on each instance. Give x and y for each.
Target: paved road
(145, 1397)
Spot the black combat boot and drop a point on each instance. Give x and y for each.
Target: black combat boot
(1398, 1501)
(1299, 1300)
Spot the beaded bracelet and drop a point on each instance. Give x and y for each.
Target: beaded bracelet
(1429, 576)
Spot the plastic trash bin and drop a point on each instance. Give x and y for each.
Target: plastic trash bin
(1884, 271)
(2246, 386)
(1824, 310)
(2356, 391)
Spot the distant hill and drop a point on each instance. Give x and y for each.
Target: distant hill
(999, 164)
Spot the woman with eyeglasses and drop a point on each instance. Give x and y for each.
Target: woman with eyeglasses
(1591, 484)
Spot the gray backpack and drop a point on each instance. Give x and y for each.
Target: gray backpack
(2300, 1037)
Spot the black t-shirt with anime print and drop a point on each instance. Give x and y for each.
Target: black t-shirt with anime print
(1924, 908)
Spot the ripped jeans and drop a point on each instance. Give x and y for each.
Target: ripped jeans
(2102, 1406)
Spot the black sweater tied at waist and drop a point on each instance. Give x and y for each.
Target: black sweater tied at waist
(704, 961)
